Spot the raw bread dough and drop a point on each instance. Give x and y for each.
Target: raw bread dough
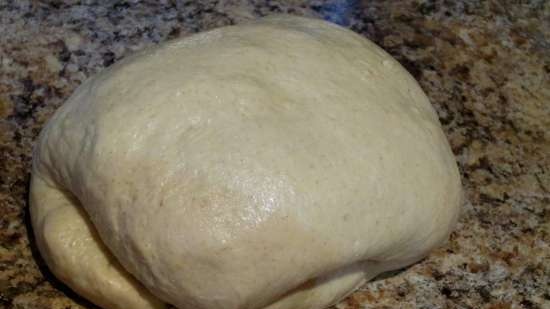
(277, 164)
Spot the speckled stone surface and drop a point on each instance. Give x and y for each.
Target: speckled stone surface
(484, 64)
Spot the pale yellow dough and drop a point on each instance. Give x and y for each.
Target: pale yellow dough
(278, 164)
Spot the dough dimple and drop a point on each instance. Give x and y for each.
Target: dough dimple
(277, 164)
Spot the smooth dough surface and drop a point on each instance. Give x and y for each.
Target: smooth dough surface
(278, 164)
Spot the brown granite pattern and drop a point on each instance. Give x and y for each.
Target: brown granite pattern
(484, 64)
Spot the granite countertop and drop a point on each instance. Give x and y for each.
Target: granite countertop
(484, 64)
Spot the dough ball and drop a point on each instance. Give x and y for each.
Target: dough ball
(276, 164)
